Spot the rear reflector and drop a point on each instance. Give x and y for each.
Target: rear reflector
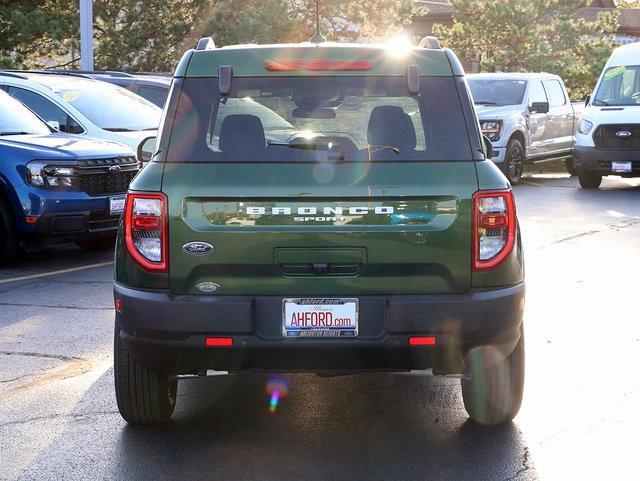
(422, 341)
(118, 304)
(218, 341)
(317, 65)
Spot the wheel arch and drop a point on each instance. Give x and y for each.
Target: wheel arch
(10, 198)
(519, 135)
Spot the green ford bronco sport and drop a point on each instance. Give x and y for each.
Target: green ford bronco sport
(320, 208)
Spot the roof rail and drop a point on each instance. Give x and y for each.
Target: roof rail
(4, 73)
(429, 42)
(54, 72)
(206, 43)
(110, 73)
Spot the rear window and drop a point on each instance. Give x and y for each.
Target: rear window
(319, 118)
(497, 91)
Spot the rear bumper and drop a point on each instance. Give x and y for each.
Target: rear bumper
(593, 159)
(168, 332)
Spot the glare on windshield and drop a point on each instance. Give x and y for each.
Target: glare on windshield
(113, 108)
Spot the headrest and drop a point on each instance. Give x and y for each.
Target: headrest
(242, 135)
(390, 125)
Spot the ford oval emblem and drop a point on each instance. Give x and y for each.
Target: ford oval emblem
(197, 248)
(624, 134)
(208, 287)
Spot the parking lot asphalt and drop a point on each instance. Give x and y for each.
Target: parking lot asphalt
(579, 420)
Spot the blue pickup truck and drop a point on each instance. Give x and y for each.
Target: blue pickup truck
(56, 187)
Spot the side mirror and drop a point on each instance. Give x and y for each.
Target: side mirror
(54, 124)
(488, 147)
(587, 100)
(145, 149)
(539, 107)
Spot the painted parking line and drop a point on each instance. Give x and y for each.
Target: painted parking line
(55, 273)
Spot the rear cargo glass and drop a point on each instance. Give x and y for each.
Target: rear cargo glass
(310, 119)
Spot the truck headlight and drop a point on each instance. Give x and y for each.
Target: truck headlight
(42, 174)
(584, 127)
(491, 128)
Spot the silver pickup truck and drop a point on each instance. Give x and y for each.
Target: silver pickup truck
(528, 117)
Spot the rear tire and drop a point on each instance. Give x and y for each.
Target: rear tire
(568, 163)
(513, 165)
(144, 396)
(493, 385)
(91, 245)
(8, 239)
(589, 180)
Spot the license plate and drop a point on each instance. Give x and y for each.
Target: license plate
(320, 317)
(116, 205)
(621, 167)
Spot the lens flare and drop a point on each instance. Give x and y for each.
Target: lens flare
(277, 389)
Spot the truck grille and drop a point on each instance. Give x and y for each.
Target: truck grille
(605, 136)
(106, 176)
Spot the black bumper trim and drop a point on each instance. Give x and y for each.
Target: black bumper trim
(167, 331)
(594, 159)
(77, 224)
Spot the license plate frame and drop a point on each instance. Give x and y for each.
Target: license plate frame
(621, 167)
(116, 205)
(346, 308)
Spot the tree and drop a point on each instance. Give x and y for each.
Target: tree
(152, 34)
(271, 21)
(532, 35)
(628, 4)
(141, 34)
(30, 29)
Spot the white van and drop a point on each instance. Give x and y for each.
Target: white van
(608, 137)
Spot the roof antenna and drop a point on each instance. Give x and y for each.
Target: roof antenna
(318, 37)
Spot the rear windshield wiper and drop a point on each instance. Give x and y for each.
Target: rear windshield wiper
(379, 148)
(16, 133)
(484, 102)
(302, 145)
(120, 129)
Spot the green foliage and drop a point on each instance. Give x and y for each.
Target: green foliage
(628, 3)
(141, 34)
(30, 29)
(152, 34)
(532, 35)
(272, 21)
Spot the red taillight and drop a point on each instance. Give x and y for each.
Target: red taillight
(218, 341)
(145, 229)
(494, 228)
(422, 341)
(282, 65)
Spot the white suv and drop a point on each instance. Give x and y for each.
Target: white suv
(83, 106)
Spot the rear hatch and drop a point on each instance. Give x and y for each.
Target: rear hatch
(278, 229)
(319, 176)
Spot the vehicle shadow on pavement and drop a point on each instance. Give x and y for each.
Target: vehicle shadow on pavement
(369, 426)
